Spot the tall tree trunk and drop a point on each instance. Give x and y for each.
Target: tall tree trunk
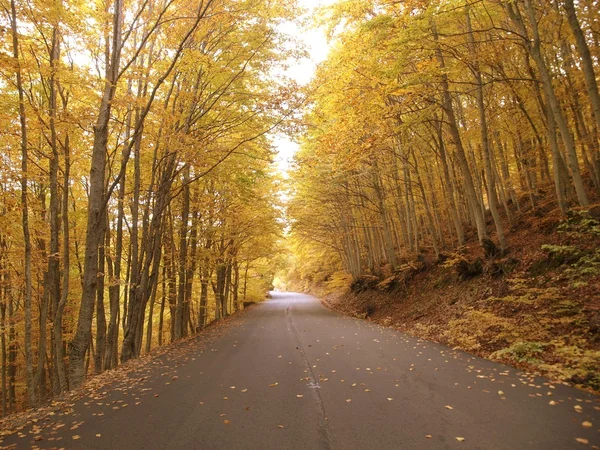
(450, 192)
(485, 143)
(236, 285)
(430, 222)
(183, 262)
(96, 205)
(52, 287)
(100, 309)
(460, 151)
(24, 208)
(163, 299)
(533, 46)
(389, 243)
(587, 62)
(12, 355)
(57, 330)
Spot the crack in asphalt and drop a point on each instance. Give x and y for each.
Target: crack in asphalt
(314, 385)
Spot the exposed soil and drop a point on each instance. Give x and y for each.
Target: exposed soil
(537, 307)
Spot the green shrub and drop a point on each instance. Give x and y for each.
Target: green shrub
(521, 351)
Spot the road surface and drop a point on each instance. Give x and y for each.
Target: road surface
(291, 374)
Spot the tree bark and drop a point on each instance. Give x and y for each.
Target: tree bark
(24, 208)
(485, 143)
(96, 205)
(460, 151)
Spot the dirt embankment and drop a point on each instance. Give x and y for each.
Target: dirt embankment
(537, 307)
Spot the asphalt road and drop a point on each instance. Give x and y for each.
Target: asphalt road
(290, 374)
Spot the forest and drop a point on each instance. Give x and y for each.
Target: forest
(448, 177)
(434, 122)
(138, 201)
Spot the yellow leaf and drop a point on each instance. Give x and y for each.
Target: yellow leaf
(586, 424)
(348, 400)
(582, 440)
(227, 422)
(460, 439)
(578, 408)
(449, 407)
(390, 399)
(428, 436)
(279, 426)
(75, 436)
(299, 395)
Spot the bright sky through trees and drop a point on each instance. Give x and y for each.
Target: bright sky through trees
(302, 70)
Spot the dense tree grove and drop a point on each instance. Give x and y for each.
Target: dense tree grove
(137, 197)
(435, 120)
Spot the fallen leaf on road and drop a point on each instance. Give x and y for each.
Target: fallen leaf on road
(449, 407)
(586, 424)
(75, 436)
(353, 384)
(299, 395)
(367, 390)
(390, 399)
(225, 398)
(500, 393)
(227, 422)
(231, 387)
(582, 440)
(244, 390)
(578, 408)
(428, 436)
(460, 439)
(348, 400)
(552, 403)
(279, 426)
(273, 384)
(98, 435)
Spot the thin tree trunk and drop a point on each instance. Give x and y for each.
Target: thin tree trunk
(183, 262)
(24, 209)
(533, 46)
(588, 69)
(485, 145)
(453, 207)
(460, 151)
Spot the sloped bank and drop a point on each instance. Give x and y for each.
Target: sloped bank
(537, 308)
